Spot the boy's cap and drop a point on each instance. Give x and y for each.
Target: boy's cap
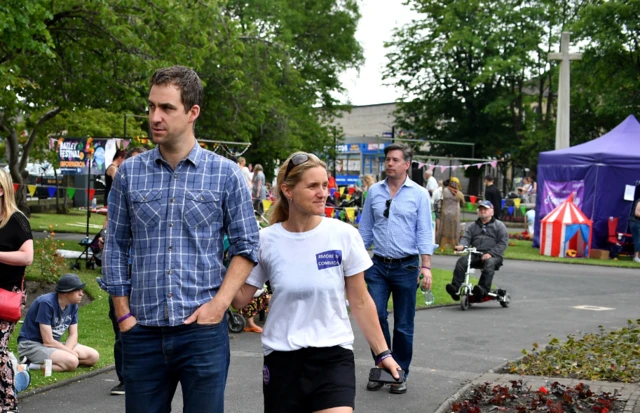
(68, 283)
(485, 204)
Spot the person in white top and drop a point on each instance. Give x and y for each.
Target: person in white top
(431, 183)
(312, 263)
(242, 163)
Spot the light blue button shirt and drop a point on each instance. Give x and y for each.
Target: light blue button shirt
(407, 231)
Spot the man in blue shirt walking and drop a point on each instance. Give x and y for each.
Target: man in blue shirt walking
(173, 205)
(396, 219)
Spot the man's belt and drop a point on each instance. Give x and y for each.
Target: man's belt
(395, 260)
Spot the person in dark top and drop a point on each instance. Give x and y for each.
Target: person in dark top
(16, 252)
(110, 173)
(492, 194)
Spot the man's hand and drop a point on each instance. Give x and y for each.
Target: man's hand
(486, 256)
(209, 313)
(127, 324)
(425, 274)
(458, 247)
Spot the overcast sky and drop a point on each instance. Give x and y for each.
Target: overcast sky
(379, 17)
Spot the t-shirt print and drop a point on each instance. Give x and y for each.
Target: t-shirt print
(328, 259)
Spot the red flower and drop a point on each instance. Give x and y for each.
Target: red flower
(543, 390)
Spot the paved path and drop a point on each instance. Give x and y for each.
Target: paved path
(452, 348)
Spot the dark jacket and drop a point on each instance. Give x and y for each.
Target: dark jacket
(492, 193)
(494, 239)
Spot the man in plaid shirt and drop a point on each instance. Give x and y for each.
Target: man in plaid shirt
(173, 205)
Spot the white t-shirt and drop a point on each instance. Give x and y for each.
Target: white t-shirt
(307, 272)
(437, 196)
(432, 184)
(531, 219)
(247, 175)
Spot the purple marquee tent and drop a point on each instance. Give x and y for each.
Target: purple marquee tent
(598, 172)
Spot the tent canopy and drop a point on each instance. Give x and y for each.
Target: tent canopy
(566, 227)
(598, 170)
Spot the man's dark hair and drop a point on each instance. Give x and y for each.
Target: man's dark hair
(120, 154)
(488, 178)
(407, 152)
(136, 151)
(446, 183)
(190, 85)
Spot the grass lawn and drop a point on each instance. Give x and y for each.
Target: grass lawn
(75, 221)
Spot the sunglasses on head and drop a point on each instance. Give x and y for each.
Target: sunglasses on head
(295, 161)
(388, 206)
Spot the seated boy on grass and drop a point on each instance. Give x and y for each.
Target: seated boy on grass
(47, 320)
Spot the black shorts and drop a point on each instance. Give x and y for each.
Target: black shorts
(308, 380)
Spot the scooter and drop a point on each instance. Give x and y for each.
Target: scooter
(466, 289)
(235, 321)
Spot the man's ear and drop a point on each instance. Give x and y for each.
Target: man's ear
(194, 112)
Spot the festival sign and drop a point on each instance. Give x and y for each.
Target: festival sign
(554, 193)
(77, 154)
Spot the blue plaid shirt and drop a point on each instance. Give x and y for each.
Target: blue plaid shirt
(175, 221)
(407, 231)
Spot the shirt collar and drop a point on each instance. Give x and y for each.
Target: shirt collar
(407, 182)
(195, 156)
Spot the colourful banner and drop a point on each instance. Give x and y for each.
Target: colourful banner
(71, 192)
(332, 191)
(504, 202)
(555, 193)
(351, 213)
(76, 154)
(342, 190)
(91, 193)
(328, 211)
(351, 190)
(15, 187)
(32, 189)
(516, 202)
(469, 206)
(266, 204)
(473, 199)
(510, 209)
(523, 209)
(51, 190)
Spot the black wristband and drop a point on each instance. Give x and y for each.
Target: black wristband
(379, 356)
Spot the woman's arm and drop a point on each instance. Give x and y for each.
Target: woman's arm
(243, 296)
(20, 258)
(364, 312)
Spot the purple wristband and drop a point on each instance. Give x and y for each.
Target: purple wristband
(124, 317)
(386, 356)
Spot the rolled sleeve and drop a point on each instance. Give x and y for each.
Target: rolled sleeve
(365, 227)
(240, 221)
(116, 247)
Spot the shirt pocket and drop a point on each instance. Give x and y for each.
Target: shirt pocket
(201, 208)
(146, 206)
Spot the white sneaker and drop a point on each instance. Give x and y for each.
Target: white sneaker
(636, 259)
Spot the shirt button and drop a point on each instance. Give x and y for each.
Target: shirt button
(170, 247)
(171, 224)
(169, 272)
(169, 295)
(175, 176)
(172, 200)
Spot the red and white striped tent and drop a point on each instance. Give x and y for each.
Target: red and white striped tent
(565, 228)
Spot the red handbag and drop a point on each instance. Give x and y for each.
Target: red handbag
(11, 304)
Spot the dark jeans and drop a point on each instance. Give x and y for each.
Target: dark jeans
(117, 345)
(634, 228)
(400, 281)
(157, 358)
(488, 267)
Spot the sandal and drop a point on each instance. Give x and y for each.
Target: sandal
(255, 329)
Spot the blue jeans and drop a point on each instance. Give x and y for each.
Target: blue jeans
(634, 227)
(157, 358)
(400, 281)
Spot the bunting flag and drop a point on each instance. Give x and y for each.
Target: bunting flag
(351, 213)
(71, 192)
(328, 212)
(473, 198)
(351, 190)
(432, 167)
(32, 189)
(479, 165)
(348, 197)
(420, 165)
(493, 164)
(469, 206)
(91, 192)
(454, 167)
(504, 202)
(52, 191)
(342, 190)
(516, 202)
(332, 191)
(15, 187)
(442, 168)
(465, 167)
(266, 204)
(523, 209)
(510, 209)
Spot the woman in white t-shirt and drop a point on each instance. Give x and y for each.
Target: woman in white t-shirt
(311, 263)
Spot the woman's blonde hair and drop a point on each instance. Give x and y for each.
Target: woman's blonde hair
(369, 180)
(281, 206)
(8, 199)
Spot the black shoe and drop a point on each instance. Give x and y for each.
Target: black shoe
(400, 388)
(479, 292)
(24, 360)
(501, 293)
(453, 292)
(374, 385)
(118, 390)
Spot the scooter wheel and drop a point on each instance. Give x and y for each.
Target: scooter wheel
(236, 323)
(505, 301)
(464, 302)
